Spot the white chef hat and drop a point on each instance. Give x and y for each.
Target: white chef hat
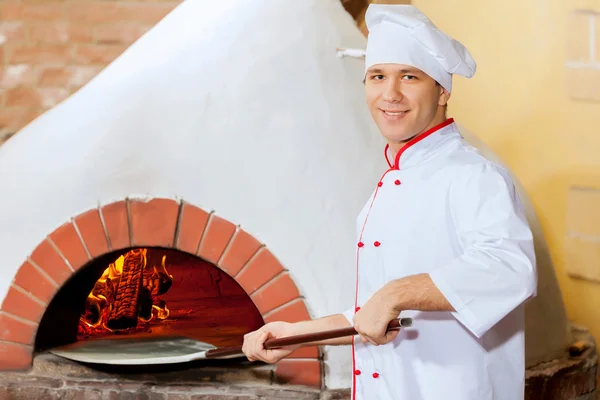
(401, 34)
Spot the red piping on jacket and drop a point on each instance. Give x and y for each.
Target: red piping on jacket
(395, 166)
(356, 287)
(414, 141)
(356, 293)
(385, 151)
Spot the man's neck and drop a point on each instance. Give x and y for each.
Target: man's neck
(396, 146)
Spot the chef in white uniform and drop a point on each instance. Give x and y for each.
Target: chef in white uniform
(443, 238)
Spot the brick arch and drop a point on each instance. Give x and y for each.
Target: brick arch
(158, 222)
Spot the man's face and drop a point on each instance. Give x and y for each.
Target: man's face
(403, 100)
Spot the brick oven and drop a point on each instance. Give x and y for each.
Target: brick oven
(212, 281)
(193, 273)
(205, 182)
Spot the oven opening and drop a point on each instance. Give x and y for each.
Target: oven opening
(144, 292)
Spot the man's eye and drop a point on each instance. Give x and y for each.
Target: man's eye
(409, 77)
(377, 77)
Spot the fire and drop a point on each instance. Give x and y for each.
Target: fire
(127, 292)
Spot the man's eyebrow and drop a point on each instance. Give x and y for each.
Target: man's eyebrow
(410, 71)
(375, 71)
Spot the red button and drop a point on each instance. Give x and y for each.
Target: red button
(357, 372)
(376, 244)
(380, 184)
(360, 244)
(356, 309)
(397, 182)
(375, 375)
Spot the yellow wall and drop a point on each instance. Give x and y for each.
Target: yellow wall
(521, 104)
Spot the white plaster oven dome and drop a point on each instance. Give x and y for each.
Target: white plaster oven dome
(241, 107)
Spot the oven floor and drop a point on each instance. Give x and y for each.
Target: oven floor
(53, 377)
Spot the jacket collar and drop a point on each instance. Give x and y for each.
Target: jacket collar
(421, 147)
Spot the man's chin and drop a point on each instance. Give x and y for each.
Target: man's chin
(398, 137)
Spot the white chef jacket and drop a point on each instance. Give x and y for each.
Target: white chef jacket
(443, 209)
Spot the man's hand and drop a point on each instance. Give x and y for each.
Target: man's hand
(372, 320)
(253, 346)
(415, 292)
(254, 342)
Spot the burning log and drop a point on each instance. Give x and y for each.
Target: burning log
(127, 291)
(159, 281)
(126, 306)
(93, 311)
(106, 288)
(156, 282)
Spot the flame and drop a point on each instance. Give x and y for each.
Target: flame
(162, 313)
(95, 302)
(155, 281)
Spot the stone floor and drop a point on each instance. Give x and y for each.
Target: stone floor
(55, 378)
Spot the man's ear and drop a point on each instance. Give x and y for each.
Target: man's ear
(444, 96)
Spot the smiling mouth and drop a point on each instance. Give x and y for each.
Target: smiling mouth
(394, 113)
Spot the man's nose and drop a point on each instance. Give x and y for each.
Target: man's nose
(393, 92)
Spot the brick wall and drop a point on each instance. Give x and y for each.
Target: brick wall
(50, 48)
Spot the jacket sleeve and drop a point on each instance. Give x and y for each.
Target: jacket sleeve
(496, 270)
(349, 314)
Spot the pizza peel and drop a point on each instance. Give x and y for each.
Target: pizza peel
(172, 350)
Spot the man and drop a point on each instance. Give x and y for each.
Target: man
(443, 238)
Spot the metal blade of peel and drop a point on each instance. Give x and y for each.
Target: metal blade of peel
(162, 350)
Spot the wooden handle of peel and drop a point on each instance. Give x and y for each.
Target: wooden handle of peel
(305, 338)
